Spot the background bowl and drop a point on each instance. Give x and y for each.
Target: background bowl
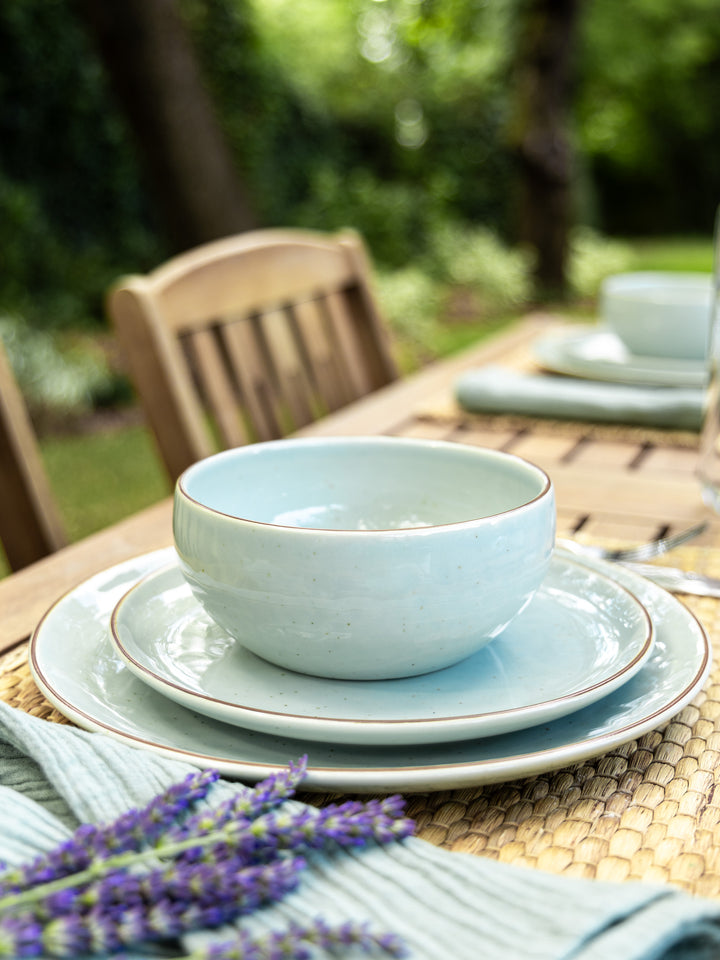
(363, 558)
(658, 314)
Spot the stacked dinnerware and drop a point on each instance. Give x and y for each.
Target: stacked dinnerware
(394, 609)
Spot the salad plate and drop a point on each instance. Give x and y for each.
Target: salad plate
(76, 666)
(581, 637)
(597, 353)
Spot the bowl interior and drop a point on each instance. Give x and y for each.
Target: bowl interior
(362, 484)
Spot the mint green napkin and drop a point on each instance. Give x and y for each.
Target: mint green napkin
(443, 904)
(497, 390)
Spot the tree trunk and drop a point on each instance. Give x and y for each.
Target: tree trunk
(155, 76)
(541, 137)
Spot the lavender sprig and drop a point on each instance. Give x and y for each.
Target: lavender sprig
(292, 943)
(245, 807)
(128, 916)
(72, 937)
(351, 824)
(158, 824)
(160, 872)
(230, 884)
(133, 830)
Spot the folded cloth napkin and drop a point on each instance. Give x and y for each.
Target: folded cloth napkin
(443, 904)
(497, 390)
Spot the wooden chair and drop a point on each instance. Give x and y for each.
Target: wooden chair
(249, 338)
(30, 525)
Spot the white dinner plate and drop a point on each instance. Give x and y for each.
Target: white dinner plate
(598, 354)
(582, 636)
(75, 665)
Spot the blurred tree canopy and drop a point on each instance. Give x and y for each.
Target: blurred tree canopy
(394, 116)
(647, 121)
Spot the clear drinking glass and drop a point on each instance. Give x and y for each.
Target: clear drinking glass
(709, 462)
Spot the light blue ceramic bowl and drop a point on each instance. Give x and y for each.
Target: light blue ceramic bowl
(363, 558)
(660, 314)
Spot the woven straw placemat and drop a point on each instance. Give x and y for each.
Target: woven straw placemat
(649, 810)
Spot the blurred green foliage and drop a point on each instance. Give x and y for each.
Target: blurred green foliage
(418, 90)
(647, 120)
(390, 116)
(61, 373)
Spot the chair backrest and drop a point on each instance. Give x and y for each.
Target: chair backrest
(249, 338)
(30, 524)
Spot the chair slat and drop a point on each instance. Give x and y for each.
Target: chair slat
(259, 394)
(348, 346)
(378, 360)
(217, 386)
(292, 379)
(327, 374)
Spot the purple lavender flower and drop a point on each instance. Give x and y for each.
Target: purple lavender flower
(245, 807)
(159, 872)
(114, 923)
(231, 883)
(131, 831)
(294, 943)
(19, 936)
(349, 824)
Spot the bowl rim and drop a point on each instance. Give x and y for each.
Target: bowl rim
(547, 490)
(655, 288)
(662, 277)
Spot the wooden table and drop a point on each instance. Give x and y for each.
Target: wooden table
(647, 810)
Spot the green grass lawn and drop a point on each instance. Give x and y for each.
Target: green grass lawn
(101, 477)
(693, 254)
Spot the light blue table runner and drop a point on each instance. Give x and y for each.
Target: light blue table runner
(447, 906)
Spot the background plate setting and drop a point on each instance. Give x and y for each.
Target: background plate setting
(598, 354)
(75, 665)
(582, 636)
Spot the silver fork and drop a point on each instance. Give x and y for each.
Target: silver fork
(641, 551)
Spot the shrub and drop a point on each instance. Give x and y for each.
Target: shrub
(473, 257)
(59, 376)
(592, 258)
